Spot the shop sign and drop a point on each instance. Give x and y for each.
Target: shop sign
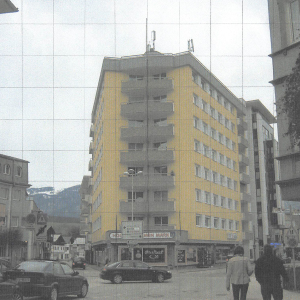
(154, 255)
(231, 236)
(114, 235)
(158, 235)
(181, 256)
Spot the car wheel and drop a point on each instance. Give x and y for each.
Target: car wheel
(84, 291)
(117, 278)
(160, 278)
(53, 294)
(17, 296)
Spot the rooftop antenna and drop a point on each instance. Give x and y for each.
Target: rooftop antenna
(191, 45)
(153, 36)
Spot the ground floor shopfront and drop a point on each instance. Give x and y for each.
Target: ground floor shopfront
(168, 249)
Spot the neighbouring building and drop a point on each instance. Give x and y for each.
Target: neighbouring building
(6, 6)
(284, 18)
(14, 207)
(166, 152)
(264, 171)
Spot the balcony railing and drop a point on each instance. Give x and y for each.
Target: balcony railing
(156, 181)
(88, 199)
(244, 178)
(91, 148)
(92, 131)
(154, 87)
(243, 160)
(156, 133)
(243, 143)
(91, 165)
(241, 125)
(85, 228)
(85, 211)
(245, 197)
(156, 109)
(143, 207)
(155, 156)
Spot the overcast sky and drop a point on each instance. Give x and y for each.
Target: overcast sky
(51, 56)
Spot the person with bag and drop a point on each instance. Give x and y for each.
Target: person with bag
(268, 269)
(238, 274)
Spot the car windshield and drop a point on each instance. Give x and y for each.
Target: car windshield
(114, 265)
(77, 259)
(33, 266)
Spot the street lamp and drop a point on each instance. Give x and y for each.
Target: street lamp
(132, 173)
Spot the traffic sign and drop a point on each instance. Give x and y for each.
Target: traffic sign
(41, 218)
(132, 230)
(292, 237)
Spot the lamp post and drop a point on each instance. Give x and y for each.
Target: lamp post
(132, 173)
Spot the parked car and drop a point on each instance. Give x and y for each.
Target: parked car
(286, 260)
(4, 265)
(49, 279)
(229, 256)
(133, 270)
(78, 262)
(10, 290)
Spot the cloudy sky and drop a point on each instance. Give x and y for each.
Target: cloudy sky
(51, 54)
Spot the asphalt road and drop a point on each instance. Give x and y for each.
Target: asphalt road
(200, 284)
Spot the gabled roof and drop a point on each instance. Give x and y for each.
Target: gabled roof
(6, 6)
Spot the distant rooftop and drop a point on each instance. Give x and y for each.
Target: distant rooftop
(258, 106)
(6, 6)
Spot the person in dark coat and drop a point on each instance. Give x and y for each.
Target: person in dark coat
(268, 270)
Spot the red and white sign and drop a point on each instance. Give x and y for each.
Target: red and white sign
(157, 235)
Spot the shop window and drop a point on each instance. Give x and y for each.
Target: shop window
(191, 255)
(180, 256)
(154, 255)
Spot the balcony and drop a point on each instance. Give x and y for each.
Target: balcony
(161, 227)
(244, 178)
(241, 125)
(243, 160)
(243, 143)
(153, 87)
(139, 134)
(142, 207)
(91, 148)
(83, 219)
(156, 109)
(246, 217)
(84, 228)
(247, 236)
(91, 165)
(85, 211)
(91, 182)
(156, 181)
(88, 199)
(138, 158)
(89, 219)
(89, 238)
(92, 131)
(245, 197)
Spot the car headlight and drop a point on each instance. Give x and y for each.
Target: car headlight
(169, 272)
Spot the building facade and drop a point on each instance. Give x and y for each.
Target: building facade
(264, 172)
(166, 152)
(285, 40)
(14, 207)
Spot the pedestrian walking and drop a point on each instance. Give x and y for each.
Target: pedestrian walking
(238, 274)
(268, 270)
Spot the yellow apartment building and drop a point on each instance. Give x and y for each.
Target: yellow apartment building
(165, 153)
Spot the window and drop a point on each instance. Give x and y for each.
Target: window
(15, 222)
(237, 225)
(226, 123)
(161, 196)
(161, 221)
(198, 195)
(161, 122)
(228, 143)
(234, 165)
(215, 177)
(213, 133)
(236, 205)
(205, 128)
(135, 123)
(135, 146)
(199, 220)
(228, 162)
(222, 161)
(205, 150)
(214, 155)
(222, 204)
(136, 195)
(163, 170)
(232, 127)
(220, 136)
(197, 146)
(213, 112)
(220, 118)
(135, 218)
(160, 146)
(207, 221)
(222, 180)
(206, 174)
(216, 223)
(219, 98)
(233, 146)
(229, 201)
(229, 183)
(17, 195)
(230, 223)
(136, 77)
(135, 169)
(196, 123)
(196, 100)
(235, 186)
(19, 172)
(160, 98)
(204, 106)
(6, 169)
(159, 76)
(215, 199)
(197, 170)
(226, 104)
(3, 193)
(223, 223)
(207, 197)
(295, 18)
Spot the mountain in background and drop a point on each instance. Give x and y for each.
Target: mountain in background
(63, 203)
